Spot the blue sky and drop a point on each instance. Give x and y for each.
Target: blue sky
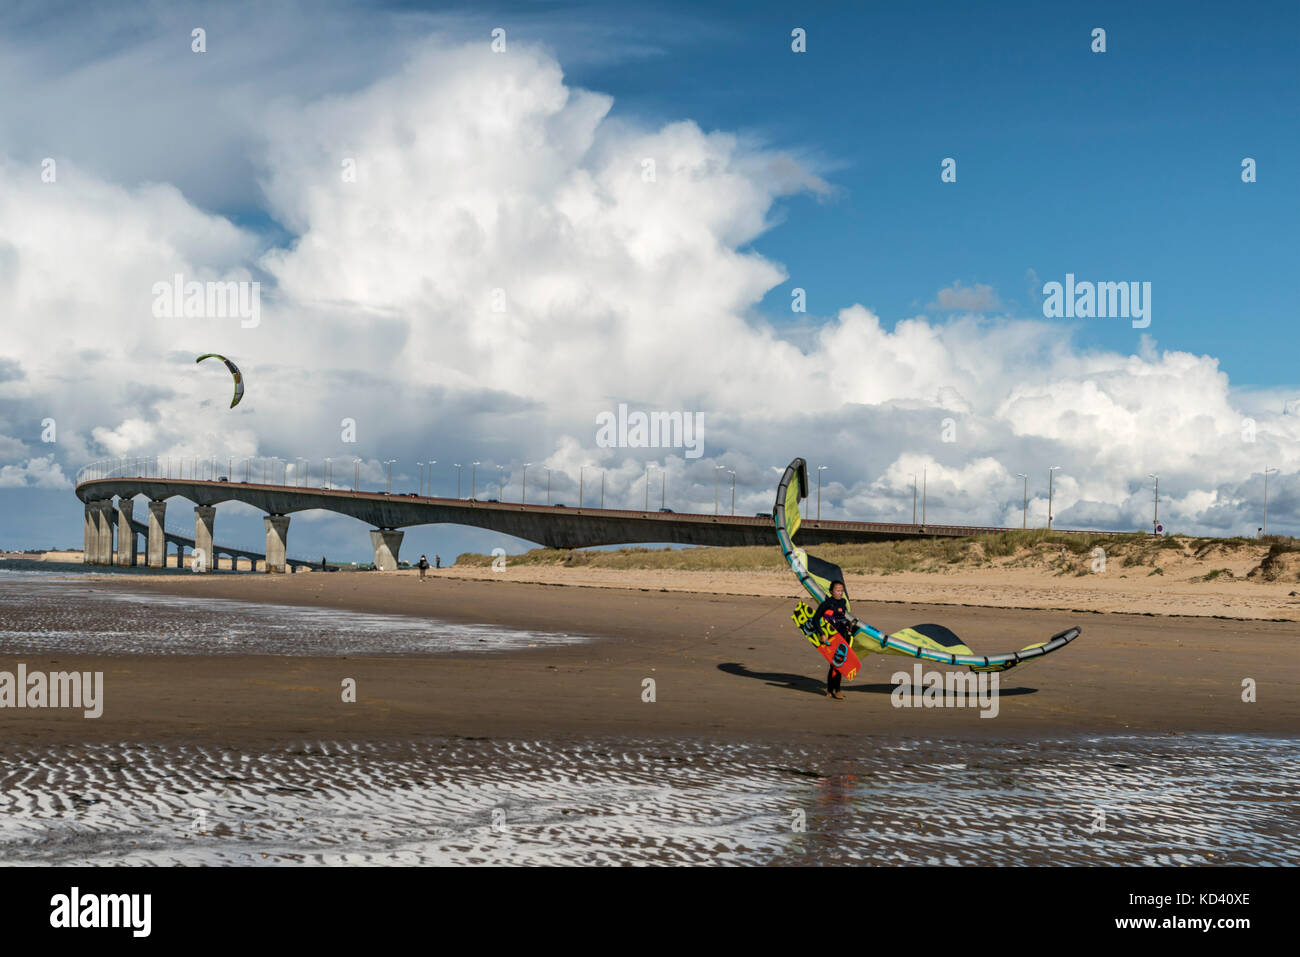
(1115, 166)
(1122, 165)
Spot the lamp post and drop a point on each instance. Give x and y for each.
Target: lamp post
(431, 463)
(1024, 514)
(1266, 471)
(820, 469)
(716, 469)
(925, 490)
(582, 471)
(501, 482)
(913, 498)
(459, 469)
(389, 463)
(648, 467)
(473, 481)
(329, 473)
(1050, 475)
(1155, 515)
(356, 474)
(421, 464)
(602, 488)
(733, 490)
(524, 498)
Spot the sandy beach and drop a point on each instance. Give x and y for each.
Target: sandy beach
(723, 665)
(1007, 588)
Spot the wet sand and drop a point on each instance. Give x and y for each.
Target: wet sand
(725, 668)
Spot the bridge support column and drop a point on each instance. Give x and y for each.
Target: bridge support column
(204, 516)
(91, 538)
(156, 547)
(386, 542)
(125, 531)
(104, 526)
(277, 541)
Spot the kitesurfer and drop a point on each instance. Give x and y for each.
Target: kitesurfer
(835, 611)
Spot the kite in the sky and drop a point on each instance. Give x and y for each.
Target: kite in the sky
(234, 371)
(928, 642)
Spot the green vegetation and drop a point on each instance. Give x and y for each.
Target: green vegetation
(1276, 564)
(1067, 554)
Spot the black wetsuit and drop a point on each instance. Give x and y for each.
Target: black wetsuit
(833, 610)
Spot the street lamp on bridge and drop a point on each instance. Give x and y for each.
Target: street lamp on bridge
(820, 470)
(524, 498)
(473, 481)
(389, 463)
(1050, 475)
(1155, 515)
(459, 468)
(733, 490)
(716, 469)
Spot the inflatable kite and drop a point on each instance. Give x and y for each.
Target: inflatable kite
(928, 642)
(234, 371)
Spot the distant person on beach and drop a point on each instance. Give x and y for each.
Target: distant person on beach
(322, 563)
(438, 560)
(835, 610)
(423, 566)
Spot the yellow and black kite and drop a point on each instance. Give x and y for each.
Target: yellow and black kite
(928, 642)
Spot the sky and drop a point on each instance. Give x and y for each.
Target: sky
(476, 229)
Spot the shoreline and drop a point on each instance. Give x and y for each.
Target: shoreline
(1268, 602)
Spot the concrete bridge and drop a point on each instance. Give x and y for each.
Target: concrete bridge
(554, 526)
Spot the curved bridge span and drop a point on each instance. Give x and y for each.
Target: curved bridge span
(553, 526)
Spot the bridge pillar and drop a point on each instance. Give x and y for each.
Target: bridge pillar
(91, 539)
(386, 542)
(204, 516)
(125, 531)
(277, 542)
(104, 526)
(156, 546)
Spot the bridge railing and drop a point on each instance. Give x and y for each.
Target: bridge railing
(260, 470)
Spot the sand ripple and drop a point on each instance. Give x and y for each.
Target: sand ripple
(1175, 800)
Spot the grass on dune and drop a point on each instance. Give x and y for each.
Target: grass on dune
(1015, 547)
